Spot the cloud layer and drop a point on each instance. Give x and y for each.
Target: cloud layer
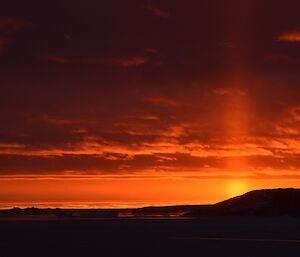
(189, 90)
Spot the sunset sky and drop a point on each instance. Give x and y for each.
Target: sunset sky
(131, 103)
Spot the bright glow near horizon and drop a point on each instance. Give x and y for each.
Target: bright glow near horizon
(236, 187)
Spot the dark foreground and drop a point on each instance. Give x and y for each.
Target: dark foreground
(208, 237)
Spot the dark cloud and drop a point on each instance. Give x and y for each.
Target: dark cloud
(199, 87)
(8, 28)
(146, 55)
(293, 36)
(156, 11)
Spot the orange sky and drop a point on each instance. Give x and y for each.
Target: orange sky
(120, 192)
(147, 104)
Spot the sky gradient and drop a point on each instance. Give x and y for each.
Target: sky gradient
(123, 103)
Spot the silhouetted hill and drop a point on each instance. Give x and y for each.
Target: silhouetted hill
(267, 202)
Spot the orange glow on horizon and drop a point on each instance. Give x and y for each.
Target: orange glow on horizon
(87, 193)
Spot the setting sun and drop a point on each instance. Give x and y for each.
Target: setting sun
(236, 187)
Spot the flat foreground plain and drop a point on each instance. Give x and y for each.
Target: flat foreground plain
(207, 236)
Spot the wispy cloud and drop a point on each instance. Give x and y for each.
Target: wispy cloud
(162, 100)
(11, 25)
(222, 92)
(144, 57)
(124, 62)
(228, 92)
(293, 36)
(8, 28)
(4, 41)
(277, 58)
(157, 11)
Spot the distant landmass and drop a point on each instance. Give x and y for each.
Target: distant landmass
(266, 202)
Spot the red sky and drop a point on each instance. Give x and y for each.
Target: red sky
(132, 102)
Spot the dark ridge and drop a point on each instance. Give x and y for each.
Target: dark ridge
(266, 202)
